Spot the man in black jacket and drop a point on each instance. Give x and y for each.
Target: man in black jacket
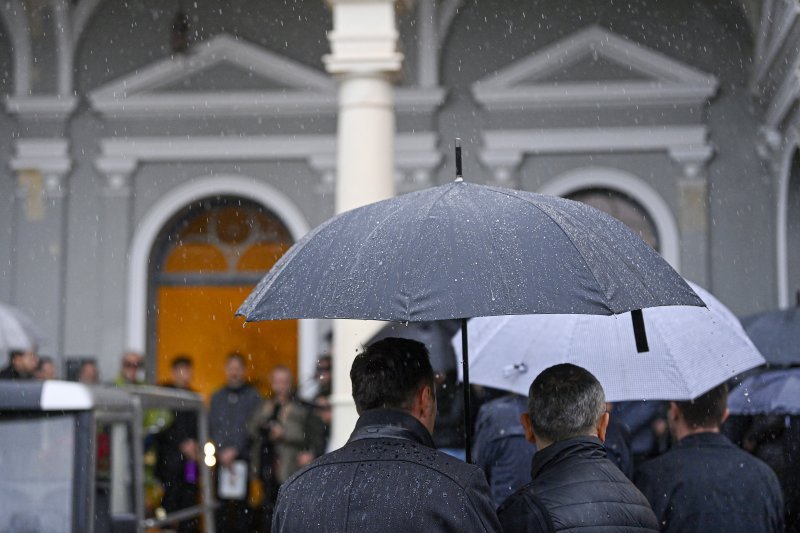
(388, 477)
(574, 486)
(705, 482)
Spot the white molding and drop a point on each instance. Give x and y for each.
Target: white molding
(504, 150)
(791, 145)
(416, 155)
(678, 140)
(41, 107)
(522, 83)
(49, 156)
(633, 186)
(148, 229)
(249, 103)
(15, 16)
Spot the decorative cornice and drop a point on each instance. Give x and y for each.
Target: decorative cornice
(49, 157)
(524, 83)
(416, 155)
(56, 108)
(504, 150)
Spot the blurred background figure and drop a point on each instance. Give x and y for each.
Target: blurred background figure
(287, 435)
(324, 376)
(646, 422)
(21, 365)
(177, 451)
(46, 369)
(231, 408)
(131, 370)
(501, 449)
(88, 373)
(448, 434)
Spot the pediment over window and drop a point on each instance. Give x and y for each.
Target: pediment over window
(594, 66)
(224, 76)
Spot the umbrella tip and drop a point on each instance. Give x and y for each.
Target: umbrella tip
(459, 175)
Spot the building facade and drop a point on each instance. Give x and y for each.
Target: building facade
(160, 156)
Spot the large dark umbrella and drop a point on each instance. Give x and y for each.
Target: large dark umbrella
(463, 250)
(776, 334)
(775, 392)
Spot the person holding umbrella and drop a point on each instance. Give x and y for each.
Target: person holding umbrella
(705, 482)
(389, 476)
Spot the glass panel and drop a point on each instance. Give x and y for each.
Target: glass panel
(114, 494)
(36, 473)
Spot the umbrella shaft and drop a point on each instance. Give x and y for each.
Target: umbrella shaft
(467, 406)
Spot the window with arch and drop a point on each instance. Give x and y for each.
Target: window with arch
(204, 263)
(623, 208)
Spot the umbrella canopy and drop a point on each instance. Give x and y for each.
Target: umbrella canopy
(464, 250)
(776, 334)
(776, 392)
(691, 350)
(17, 330)
(434, 335)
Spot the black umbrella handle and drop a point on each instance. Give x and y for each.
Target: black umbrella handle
(459, 174)
(467, 407)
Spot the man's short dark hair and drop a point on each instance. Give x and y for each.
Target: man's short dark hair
(389, 372)
(181, 360)
(565, 401)
(707, 410)
(13, 354)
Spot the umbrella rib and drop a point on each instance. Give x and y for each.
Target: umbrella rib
(605, 295)
(416, 249)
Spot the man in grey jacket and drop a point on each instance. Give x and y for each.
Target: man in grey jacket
(388, 477)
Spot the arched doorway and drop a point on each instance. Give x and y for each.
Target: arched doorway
(793, 231)
(203, 264)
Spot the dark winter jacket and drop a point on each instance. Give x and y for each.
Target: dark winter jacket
(501, 448)
(705, 483)
(388, 477)
(576, 487)
(230, 410)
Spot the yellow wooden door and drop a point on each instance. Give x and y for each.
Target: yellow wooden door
(206, 268)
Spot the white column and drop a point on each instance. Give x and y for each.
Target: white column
(363, 58)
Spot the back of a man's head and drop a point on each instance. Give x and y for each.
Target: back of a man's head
(565, 401)
(706, 411)
(389, 372)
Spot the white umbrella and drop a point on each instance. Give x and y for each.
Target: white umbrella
(17, 330)
(691, 350)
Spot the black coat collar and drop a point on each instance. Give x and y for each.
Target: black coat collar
(393, 424)
(559, 451)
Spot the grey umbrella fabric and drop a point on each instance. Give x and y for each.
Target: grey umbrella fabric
(776, 334)
(464, 250)
(776, 392)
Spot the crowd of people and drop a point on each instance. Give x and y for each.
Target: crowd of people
(560, 459)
